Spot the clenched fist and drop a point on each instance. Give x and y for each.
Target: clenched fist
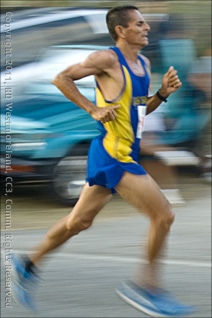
(170, 82)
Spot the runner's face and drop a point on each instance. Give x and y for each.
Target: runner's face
(137, 31)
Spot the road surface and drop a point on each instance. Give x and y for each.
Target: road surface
(79, 280)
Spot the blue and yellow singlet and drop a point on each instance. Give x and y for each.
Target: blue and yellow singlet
(117, 148)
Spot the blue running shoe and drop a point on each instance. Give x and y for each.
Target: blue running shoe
(160, 304)
(24, 283)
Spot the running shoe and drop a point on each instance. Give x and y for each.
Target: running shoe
(159, 304)
(24, 283)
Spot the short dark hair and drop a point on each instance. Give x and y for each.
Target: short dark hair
(118, 16)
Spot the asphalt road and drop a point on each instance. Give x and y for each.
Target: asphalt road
(79, 280)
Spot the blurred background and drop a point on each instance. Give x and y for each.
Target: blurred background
(44, 144)
(48, 137)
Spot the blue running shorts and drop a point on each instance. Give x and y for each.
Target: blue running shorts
(103, 170)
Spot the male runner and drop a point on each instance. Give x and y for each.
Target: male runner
(122, 101)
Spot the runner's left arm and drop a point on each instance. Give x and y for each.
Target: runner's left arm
(170, 84)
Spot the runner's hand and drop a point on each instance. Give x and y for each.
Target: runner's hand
(170, 82)
(105, 114)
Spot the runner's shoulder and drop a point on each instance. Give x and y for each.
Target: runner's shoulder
(104, 59)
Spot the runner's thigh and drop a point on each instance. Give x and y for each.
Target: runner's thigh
(91, 201)
(143, 193)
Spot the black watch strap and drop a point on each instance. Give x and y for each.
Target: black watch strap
(161, 97)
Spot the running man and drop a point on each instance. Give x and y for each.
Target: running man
(122, 101)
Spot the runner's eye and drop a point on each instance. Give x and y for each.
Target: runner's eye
(140, 23)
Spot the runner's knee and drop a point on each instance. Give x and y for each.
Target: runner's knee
(166, 220)
(77, 225)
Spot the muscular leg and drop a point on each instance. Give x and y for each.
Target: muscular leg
(91, 201)
(143, 193)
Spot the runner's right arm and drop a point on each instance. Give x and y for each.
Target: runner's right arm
(95, 64)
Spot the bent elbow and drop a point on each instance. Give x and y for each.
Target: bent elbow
(56, 80)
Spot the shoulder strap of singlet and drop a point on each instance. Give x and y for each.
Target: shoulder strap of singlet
(144, 65)
(123, 61)
(120, 55)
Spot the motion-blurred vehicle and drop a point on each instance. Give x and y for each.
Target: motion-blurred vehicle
(46, 137)
(38, 28)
